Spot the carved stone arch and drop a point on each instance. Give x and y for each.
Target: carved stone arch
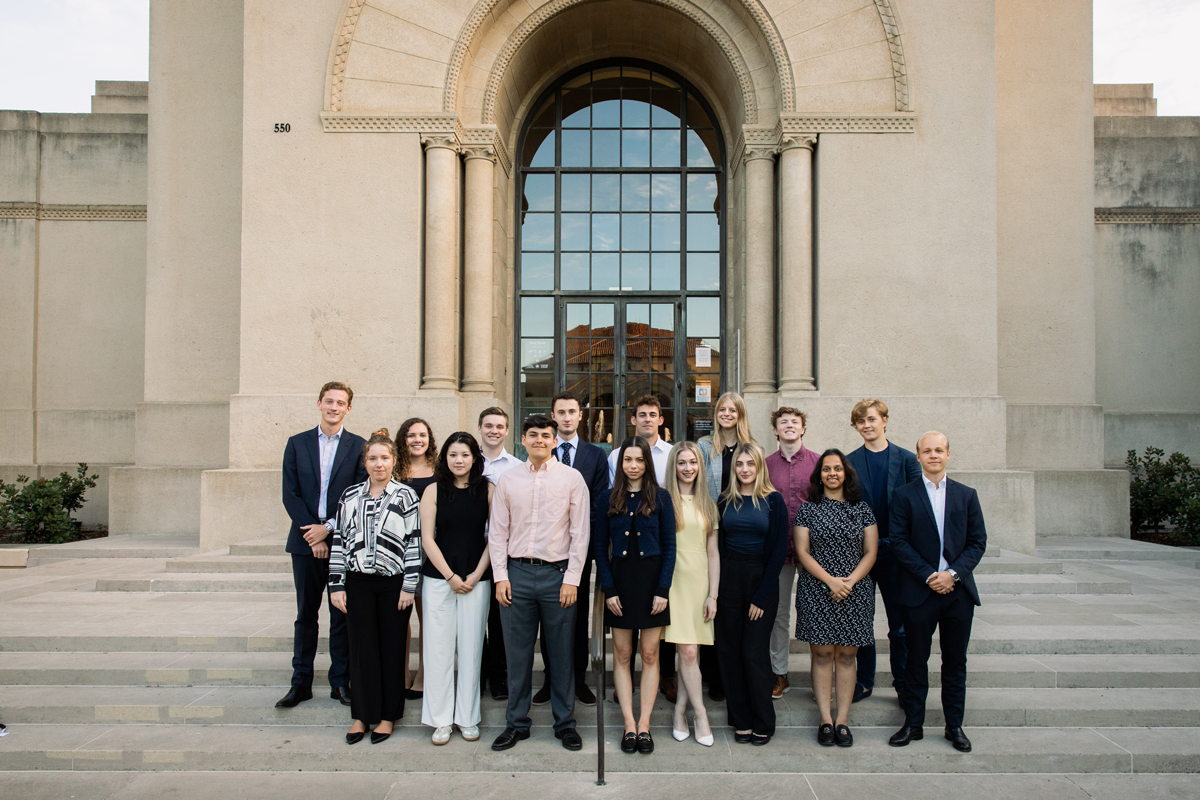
(891, 29)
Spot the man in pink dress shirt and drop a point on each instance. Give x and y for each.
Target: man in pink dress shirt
(538, 538)
(790, 468)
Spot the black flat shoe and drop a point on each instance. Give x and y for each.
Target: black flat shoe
(499, 688)
(341, 694)
(584, 695)
(645, 743)
(905, 735)
(742, 738)
(413, 694)
(509, 738)
(842, 736)
(629, 743)
(354, 737)
(570, 739)
(295, 696)
(959, 739)
(376, 738)
(716, 695)
(860, 693)
(825, 735)
(759, 739)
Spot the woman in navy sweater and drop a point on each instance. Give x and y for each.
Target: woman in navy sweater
(753, 542)
(636, 521)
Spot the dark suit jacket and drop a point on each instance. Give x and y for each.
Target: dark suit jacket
(915, 545)
(302, 481)
(903, 468)
(592, 463)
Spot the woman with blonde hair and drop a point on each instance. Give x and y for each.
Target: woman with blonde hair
(694, 588)
(416, 468)
(753, 543)
(731, 427)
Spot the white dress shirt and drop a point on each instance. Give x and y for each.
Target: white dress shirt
(573, 442)
(495, 467)
(658, 451)
(327, 446)
(937, 498)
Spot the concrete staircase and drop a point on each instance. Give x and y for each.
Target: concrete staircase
(174, 661)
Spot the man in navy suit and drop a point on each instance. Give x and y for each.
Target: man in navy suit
(938, 537)
(318, 466)
(882, 467)
(590, 460)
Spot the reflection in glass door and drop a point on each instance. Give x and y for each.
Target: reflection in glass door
(620, 251)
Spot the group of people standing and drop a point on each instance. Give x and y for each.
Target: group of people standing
(697, 547)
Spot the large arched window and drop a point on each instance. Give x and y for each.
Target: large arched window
(621, 250)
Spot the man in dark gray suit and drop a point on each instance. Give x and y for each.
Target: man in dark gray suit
(318, 466)
(882, 468)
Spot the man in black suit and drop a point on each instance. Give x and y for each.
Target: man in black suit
(318, 466)
(882, 467)
(592, 463)
(938, 537)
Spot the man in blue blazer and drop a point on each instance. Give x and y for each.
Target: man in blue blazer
(592, 463)
(882, 467)
(938, 537)
(318, 466)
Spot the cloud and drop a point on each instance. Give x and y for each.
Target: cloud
(1149, 41)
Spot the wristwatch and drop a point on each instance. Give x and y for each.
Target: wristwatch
(954, 575)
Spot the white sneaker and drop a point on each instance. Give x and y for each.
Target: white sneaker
(470, 733)
(442, 734)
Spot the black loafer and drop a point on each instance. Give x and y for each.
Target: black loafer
(759, 739)
(959, 739)
(499, 688)
(509, 738)
(295, 696)
(825, 735)
(584, 695)
(842, 736)
(542, 696)
(341, 694)
(860, 693)
(629, 743)
(905, 735)
(570, 739)
(742, 738)
(716, 695)
(645, 743)
(376, 738)
(354, 737)
(413, 694)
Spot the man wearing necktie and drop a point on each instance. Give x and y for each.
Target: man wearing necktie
(938, 537)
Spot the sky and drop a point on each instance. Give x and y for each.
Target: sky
(64, 46)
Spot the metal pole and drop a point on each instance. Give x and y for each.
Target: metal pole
(600, 686)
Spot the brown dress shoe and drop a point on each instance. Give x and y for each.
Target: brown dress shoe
(781, 686)
(670, 689)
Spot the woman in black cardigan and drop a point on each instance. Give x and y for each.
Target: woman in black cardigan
(753, 542)
(637, 520)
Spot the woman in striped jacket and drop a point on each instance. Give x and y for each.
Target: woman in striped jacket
(374, 566)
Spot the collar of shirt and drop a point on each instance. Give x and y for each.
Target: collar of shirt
(797, 456)
(662, 445)
(937, 487)
(336, 437)
(550, 463)
(504, 455)
(573, 441)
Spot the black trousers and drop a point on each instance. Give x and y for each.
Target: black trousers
(495, 663)
(886, 574)
(311, 576)
(583, 631)
(376, 626)
(744, 645)
(952, 615)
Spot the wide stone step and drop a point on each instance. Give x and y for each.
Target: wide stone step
(1077, 583)
(286, 748)
(201, 582)
(239, 705)
(259, 547)
(168, 545)
(274, 669)
(1096, 548)
(273, 564)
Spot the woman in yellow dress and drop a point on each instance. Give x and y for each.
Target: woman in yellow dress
(694, 585)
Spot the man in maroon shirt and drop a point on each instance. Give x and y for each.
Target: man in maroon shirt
(790, 468)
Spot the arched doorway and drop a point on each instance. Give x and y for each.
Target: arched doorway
(621, 249)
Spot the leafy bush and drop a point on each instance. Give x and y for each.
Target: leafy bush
(41, 509)
(1164, 492)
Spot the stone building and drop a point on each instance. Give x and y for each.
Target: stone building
(460, 203)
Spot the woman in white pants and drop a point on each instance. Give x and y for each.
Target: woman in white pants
(457, 587)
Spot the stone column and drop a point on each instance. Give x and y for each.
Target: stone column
(760, 269)
(796, 263)
(441, 263)
(477, 291)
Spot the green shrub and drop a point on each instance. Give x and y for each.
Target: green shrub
(41, 509)
(1163, 492)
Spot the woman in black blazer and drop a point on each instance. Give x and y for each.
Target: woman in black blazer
(637, 520)
(753, 542)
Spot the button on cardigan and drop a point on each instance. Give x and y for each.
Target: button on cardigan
(655, 535)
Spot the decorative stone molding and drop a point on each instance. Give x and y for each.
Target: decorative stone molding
(72, 212)
(545, 13)
(336, 82)
(899, 69)
(791, 141)
(1148, 216)
(390, 123)
(475, 137)
(445, 141)
(850, 123)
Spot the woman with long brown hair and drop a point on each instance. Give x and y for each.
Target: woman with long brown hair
(637, 519)
(416, 467)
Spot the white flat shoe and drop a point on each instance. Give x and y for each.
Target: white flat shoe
(442, 734)
(680, 735)
(470, 733)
